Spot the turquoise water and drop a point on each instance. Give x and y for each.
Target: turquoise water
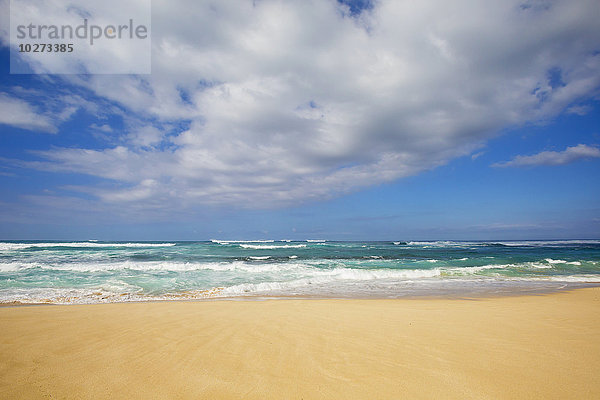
(92, 272)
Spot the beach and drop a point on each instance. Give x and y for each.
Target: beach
(513, 347)
(300, 200)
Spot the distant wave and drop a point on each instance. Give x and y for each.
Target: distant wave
(517, 243)
(20, 246)
(543, 243)
(240, 241)
(438, 243)
(275, 246)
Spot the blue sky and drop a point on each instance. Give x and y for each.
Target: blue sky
(382, 122)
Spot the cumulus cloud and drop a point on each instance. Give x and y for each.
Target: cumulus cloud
(277, 102)
(19, 113)
(567, 156)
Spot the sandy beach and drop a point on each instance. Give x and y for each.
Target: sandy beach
(539, 347)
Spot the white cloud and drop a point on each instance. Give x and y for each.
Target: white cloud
(579, 109)
(289, 101)
(104, 128)
(43, 111)
(567, 156)
(475, 156)
(19, 113)
(145, 136)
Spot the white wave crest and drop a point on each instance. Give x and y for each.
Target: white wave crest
(16, 266)
(551, 261)
(240, 241)
(330, 276)
(150, 266)
(19, 246)
(269, 247)
(443, 243)
(515, 243)
(542, 243)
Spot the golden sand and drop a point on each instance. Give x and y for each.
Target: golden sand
(533, 347)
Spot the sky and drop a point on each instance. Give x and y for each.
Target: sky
(316, 119)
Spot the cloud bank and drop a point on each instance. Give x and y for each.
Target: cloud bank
(569, 155)
(271, 102)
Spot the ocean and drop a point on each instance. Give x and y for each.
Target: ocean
(100, 272)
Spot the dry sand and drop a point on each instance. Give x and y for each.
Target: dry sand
(539, 347)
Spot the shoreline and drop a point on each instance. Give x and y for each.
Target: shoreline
(532, 346)
(424, 295)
